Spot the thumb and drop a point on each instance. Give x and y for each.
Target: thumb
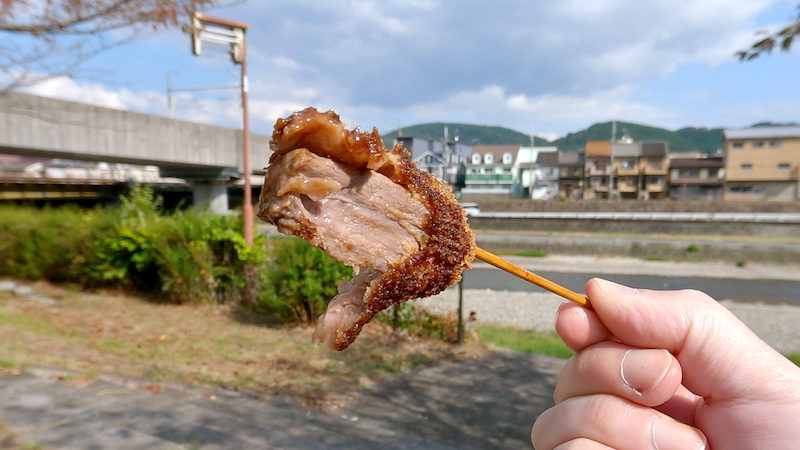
(720, 357)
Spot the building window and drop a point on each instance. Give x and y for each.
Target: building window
(507, 158)
(488, 158)
(774, 144)
(783, 166)
(757, 144)
(746, 167)
(741, 189)
(476, 158)
(737, 144)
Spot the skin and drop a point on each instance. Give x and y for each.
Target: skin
(663, 370)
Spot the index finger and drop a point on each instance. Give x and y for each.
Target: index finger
(580, 327)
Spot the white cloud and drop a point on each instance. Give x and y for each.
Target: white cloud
(544, 67)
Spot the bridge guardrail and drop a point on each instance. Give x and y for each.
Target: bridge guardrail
(645, 216)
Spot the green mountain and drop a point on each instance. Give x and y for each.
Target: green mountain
(468, 134)
(688, 139)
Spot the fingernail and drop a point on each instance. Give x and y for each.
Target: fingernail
(668, 435)
(644, 369)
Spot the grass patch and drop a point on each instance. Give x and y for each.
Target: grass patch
(532, 253)
(795, 358)
(529, 341)
(528, 253)
(113, 332)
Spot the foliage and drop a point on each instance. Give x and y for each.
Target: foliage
(190, 256)
(49, 243)
(704, 140)
(418, 322)
(299, 280)
(468, 134)
(530, 341)
(785, 36)
(686, 139)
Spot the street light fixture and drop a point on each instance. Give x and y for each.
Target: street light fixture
(230, 33)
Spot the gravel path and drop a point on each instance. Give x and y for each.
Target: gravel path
(778, 325)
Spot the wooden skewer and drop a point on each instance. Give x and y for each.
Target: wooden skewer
(557, 289)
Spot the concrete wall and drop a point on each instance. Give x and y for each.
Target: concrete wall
(40, 126)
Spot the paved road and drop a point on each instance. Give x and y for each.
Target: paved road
(747, 290)
(489, 403)
(506, 238)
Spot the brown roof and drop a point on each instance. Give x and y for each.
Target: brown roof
(547, 158)
(598, 149)
(497, 150)
(567, 158)
(654, 149)
(693, 162)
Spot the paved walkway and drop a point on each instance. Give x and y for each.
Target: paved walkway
(486, 404)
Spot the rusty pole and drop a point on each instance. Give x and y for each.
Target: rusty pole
(247, 204)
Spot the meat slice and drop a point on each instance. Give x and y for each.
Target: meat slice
(400, 228)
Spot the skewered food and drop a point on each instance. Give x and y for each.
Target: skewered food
(400, 228)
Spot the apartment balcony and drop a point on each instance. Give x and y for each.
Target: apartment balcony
(489, 178)
(593, 172)
(622, 171)
(570, 173)
(597, 187)
(653, 169)
(695, 181)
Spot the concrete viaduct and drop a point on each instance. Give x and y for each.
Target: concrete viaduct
(207, 156)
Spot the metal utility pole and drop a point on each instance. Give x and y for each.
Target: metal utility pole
(611, 163)
(205, 28)
(169, 96)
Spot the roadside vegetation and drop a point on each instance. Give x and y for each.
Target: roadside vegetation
(109, 331)
(139, 292)
(529, 341)
(134, 291)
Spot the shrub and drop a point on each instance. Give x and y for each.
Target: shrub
(189, 256)
(49, 243)
(299, 281)
(418, 322)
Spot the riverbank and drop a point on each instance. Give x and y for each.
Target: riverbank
(775, 324)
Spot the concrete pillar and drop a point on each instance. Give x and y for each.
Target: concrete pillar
(210, 194)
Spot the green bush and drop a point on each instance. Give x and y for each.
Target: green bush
(419, 322)
(49, 243)
(189, 256)
(299, 280)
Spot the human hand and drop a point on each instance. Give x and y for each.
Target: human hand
(664, 370)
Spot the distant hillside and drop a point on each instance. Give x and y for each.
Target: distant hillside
(689, 139)
(702, 140)
(468, 134)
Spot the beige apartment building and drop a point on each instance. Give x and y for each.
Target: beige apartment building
(762, 163)
(597, 169)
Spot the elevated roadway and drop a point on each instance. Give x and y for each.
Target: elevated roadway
(209, 156)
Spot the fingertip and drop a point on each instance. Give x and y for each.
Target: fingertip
(579, 327)
(601, 289)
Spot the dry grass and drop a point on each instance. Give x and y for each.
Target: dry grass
(111, 332)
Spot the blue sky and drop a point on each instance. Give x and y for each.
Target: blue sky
(547, 68)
